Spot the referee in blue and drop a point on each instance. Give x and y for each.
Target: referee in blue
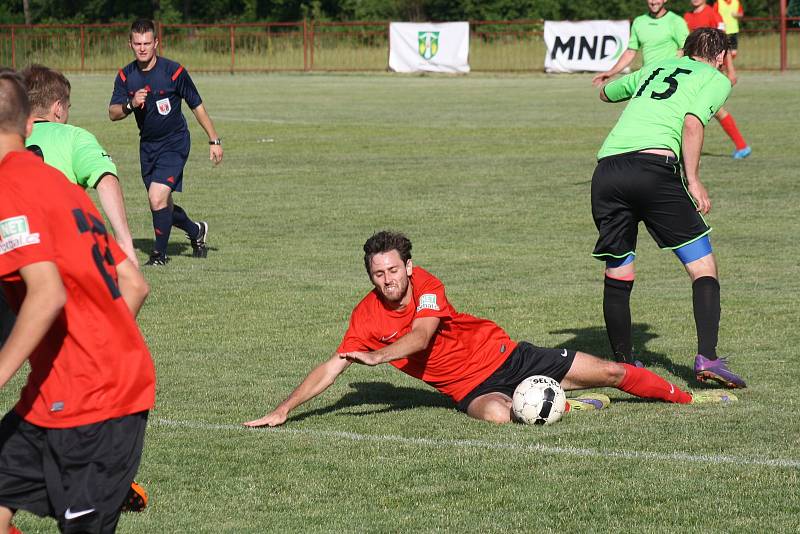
(151, 88)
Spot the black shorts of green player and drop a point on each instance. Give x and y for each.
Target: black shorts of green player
(524, 361)
(733, 41)
(633, 187)
(80, 476)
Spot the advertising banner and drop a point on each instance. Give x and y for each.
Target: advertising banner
(591, 45)
(421, 47)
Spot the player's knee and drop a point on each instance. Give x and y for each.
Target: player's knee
(621, 268)
(614, 373)
(491, 409)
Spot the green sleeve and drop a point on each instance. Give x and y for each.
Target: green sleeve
(633, 41)
(622, 88)
(680, 31)
(89, 161)
(712, 96)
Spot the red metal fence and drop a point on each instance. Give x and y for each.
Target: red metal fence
(505, 46)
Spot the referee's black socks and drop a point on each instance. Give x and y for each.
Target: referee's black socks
(707, 311)
(181, 220)
(162, 224)
(617, 314)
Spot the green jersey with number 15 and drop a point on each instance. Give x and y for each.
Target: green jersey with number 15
(661, 95)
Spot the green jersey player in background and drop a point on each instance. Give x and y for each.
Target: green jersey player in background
(659, 34)
(638, 178)
(72, 150)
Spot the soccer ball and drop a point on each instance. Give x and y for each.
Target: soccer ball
(538, 400)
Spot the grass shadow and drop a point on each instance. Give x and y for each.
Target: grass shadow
(176, 248)
(381, 393)
(595, 341)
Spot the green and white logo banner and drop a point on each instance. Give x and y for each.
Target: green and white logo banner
(590, 45)
(416, 47)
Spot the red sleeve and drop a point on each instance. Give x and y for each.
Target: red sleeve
(353, 340)
(25, 236)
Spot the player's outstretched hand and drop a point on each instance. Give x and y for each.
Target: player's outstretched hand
(364, 358)
(274, 418)
(215, 154)
(600, 79)
(700, 196)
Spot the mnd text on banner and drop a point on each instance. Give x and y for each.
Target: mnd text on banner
(591, 45)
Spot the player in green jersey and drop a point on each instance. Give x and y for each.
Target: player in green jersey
(659, 34)
(638, 178)
(72, 150)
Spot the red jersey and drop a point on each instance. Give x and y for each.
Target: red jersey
(463, 353)
(92, 364)
(707, 18)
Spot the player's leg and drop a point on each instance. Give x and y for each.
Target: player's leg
(728, 124)
(616, 220)
(617, 287)
(700, 263)
(96, 465)
(494, 407)
(159, 195)
(6, 515)
(196, 231)
(589, 371)
(22, 479)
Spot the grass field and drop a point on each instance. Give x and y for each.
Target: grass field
(489, 176)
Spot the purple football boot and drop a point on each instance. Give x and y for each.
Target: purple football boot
(716, 370)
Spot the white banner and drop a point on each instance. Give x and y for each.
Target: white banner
(415, 47)
(593, 45)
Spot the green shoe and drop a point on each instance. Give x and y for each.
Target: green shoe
(712, 395)
(588, 401)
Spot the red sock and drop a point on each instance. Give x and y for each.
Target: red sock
(729, 125)
(648, 385)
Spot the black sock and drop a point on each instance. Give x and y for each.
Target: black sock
(162, 225)
(182, 221)
(707, 311)
(617, 313)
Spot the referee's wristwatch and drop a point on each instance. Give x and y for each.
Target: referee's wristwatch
(127, 109)
(216, 141)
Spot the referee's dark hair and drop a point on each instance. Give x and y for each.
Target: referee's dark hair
(143, 26)
(14, 106)
(706, 43)
(385, 241)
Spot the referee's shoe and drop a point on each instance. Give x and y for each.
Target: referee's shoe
(199, 249)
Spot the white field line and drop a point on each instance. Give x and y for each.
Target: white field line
(488, 445)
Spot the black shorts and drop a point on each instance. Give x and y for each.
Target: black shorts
(733, 41)
(63, 472)
(162, 162)
(524, 361)
(634, 187)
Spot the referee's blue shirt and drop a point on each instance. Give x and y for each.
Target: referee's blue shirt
(167, 83)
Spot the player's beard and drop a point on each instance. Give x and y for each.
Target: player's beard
(395, 293)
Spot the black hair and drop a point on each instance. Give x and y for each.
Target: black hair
(385, 241)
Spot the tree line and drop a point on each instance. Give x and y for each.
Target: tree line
(197, 11)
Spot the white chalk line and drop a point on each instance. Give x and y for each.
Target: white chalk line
(488, 445)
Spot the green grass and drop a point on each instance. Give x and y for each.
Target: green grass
(489, 176)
